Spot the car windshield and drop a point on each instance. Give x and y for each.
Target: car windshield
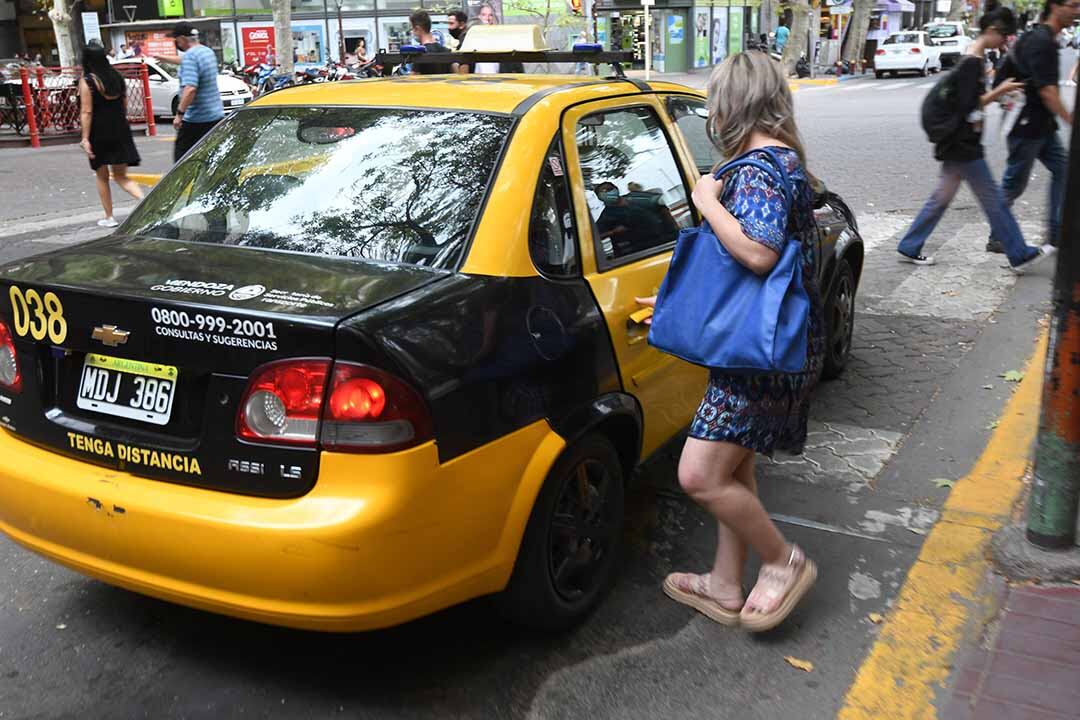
(371, 183)
(905, 39)
(943, 31)
(169, 67)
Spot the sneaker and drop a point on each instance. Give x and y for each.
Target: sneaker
(916, 260)
(995, 246)
(107, 222)
(1045, 251)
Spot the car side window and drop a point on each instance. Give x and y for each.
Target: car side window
(635, 191)
(552, 239)
(691, 117)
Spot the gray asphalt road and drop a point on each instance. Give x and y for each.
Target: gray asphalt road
(915, 404)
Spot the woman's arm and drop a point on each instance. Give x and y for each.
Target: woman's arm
(86, 116)
(751, 254)
(1005, 87)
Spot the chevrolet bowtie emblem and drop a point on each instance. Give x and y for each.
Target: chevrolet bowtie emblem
(110, 336)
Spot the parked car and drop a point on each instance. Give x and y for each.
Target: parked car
(952, 37)
(910, 51)
(370, 350)
(165, 87)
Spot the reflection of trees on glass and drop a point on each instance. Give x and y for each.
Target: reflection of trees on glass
(391, 185)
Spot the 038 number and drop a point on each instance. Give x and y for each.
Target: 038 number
(38, 316)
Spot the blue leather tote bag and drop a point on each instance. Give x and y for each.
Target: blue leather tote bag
(713, 311)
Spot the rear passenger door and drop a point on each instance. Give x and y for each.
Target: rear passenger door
(631, 198)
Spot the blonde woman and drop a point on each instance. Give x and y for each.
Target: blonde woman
(750, 108)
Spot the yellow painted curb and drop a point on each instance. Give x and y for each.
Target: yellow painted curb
(149, 179)
(912, 657)
(815, 81)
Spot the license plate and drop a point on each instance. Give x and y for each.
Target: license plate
(236, 102)
(127, 388)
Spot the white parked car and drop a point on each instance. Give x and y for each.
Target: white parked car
(910, 51)
(952, 37)
(165, 87)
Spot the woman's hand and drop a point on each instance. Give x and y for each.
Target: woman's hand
(85, 145)
(647, 302)
(706, 191)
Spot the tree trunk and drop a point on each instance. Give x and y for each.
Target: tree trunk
(60, 15)
(768, 17)
(283, 40)
(860, 26)
(796, 43)
(956, 9)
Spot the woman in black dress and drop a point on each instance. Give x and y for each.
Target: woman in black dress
(106, 136)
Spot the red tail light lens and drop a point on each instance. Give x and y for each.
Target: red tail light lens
(915, 51)
(10, 377)
(372, 411)
(880, 52)
(282, 402)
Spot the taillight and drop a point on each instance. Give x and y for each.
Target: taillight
(282, 402)
(10, 377)
(915, 51)
(880, 52)
(369, 410)
(353, 408)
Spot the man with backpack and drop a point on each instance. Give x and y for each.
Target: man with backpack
(952, 118)
(1034, 136)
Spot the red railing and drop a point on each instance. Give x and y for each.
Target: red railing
(50, 101)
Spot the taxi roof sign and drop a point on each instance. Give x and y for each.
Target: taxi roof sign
(504, 38)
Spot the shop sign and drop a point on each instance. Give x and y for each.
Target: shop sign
(171, 8)
(91, 26)
(675, 31)
(258, 44)
(145, 43)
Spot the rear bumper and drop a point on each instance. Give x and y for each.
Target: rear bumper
(900, 62)
(380, 539)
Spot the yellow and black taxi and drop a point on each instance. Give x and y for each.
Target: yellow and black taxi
(370, 350)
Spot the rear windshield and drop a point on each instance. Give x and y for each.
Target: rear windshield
(943, 31)
(371, 183)
(905, 39)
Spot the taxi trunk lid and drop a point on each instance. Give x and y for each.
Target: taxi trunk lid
(90, 319)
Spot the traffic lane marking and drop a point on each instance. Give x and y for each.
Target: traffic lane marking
(911, 659)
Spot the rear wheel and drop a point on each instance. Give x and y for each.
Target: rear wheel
(878, 74)
(840, 321)
(925, 70)
(567, 556)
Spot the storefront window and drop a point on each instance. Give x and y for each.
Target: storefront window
(211, 8)
(394, 32)
(308, 6)
(406, 5)
(253, 7)
(348, 5)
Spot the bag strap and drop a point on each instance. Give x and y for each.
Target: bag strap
(774, 169)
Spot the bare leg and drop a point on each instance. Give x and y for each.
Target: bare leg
(707, 473)
(726, 576)
(101, 177)
(126, 184)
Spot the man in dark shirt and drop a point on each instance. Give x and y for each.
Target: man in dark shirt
(627, 226)
(961, 155)
(1034, 136)
(421, 28)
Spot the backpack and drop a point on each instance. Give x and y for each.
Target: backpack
(940, 117)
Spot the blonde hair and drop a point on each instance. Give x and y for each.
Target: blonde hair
(748, 92)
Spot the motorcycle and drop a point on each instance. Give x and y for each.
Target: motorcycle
(310, 75)
(275, 81)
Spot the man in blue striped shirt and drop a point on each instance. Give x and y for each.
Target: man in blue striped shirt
(200, 107)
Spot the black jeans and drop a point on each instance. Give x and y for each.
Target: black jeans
(189, 134)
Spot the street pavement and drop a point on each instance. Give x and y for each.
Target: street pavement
(915, 407)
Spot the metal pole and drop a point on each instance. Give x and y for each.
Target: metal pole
(28, 101)
(1055, 492)
(648, 38)
(148, 102)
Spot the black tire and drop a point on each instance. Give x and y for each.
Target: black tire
(839, 321)
(878, 74)
(175, 105)
(925, 70)
(550, 589)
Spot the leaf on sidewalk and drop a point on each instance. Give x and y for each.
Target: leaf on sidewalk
(988, 387)
(61, 626)
(804, 665)
(943, 482)
(1013, 376)
(993, 425)
(875, 618)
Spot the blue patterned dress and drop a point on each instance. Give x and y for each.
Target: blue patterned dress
(768, 411)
